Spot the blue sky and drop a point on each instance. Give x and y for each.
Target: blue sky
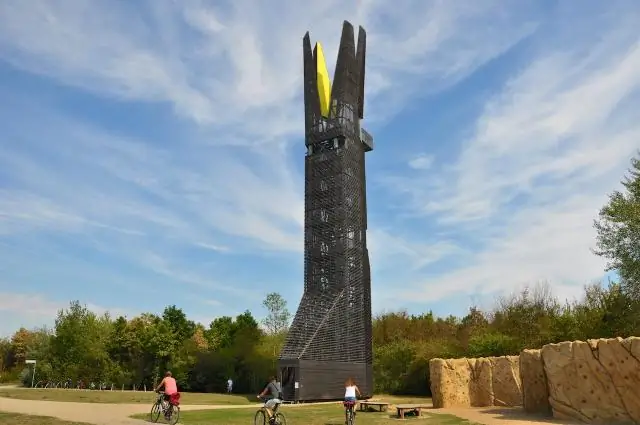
(151, 152)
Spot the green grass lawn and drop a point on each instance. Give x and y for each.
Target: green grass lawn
(119, 397)
(326, 414)
(17, 419)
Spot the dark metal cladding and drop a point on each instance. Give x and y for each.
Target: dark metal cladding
(361, 55)
(330, 338)
(311, 99)
(345, 85)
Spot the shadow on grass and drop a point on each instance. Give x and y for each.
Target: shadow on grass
(251, 398)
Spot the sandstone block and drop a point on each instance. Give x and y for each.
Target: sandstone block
(594, 381)
(505, 373)
(535, 394)
(481, 383)
(475, 382)
(450, 382)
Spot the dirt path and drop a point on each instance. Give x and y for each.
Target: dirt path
(501, 416)
(118, 414)
(94, 413)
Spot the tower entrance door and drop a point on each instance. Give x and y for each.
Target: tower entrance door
(288, 382)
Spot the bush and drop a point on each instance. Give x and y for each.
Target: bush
(391, 365)
(492, 344)
(12, 375)
(26, 377)
(402, 367)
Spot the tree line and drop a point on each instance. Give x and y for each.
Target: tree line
(99, 348)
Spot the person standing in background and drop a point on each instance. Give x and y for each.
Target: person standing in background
(229, 386)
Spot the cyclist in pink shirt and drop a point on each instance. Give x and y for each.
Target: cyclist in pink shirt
(170, 386)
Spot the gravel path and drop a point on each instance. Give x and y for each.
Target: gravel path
(94, 413)
(118, 414)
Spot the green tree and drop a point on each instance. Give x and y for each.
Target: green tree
(618, 227)
(526, 318)
(79, 347)
(5, 354)
(246, 338)
(91, 347)
(604, 312)
(121, 350)
(177, 321)
(278, 316)
(156, 346)
(471, 325)
(220, 333)
(392, 365)
(492, 344)
(19, 346)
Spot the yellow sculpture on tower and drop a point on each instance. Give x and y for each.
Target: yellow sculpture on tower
(323, 81)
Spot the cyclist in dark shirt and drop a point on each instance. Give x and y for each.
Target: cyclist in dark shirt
(273, 392)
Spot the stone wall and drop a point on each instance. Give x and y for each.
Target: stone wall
(595, 381)
(535, 392)
(492, 381)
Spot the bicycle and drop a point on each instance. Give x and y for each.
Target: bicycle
(349, 412)
(277, 418)
(169, 408)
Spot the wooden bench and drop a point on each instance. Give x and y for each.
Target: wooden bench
(407, 408)
(382, 406)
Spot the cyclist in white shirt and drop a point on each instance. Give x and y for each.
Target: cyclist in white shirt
(351, 391)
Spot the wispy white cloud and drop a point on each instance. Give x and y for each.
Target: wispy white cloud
(233, 70)
(389, 251)
(237, 64)
(222, 177)
(422, 161)
(29, 305)
(117, 183)
(31, 310)
(545, 152)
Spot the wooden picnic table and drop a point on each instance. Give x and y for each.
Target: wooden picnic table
(406, 408)
(380, 404)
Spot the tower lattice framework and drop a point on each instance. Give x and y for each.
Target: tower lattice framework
(330, 338)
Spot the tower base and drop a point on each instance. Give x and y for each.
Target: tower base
(308, 380)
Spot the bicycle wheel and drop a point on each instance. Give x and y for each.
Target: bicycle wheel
(156, 410)
(351, 417)
(260, 418)
(280, 419)
(174, 415)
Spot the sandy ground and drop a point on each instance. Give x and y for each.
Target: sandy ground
(501, 416)
(118, 414)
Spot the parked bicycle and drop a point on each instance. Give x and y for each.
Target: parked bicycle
(169, 408)
(262, 415)
(349, 412)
